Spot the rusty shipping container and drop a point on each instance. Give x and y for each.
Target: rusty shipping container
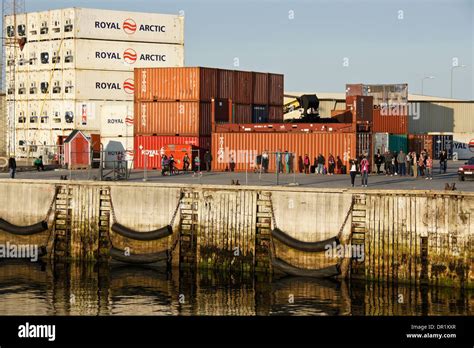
(175, 84)
(419, 142)
(275, 114)
(361, 107)
(243, 81)
(243, 148)
(283, 127)
(148, 149)
(225, 84)
(260, 88)
(391, 94)
(276, 89)
(385, 122)
(241, 113)
(173, 118)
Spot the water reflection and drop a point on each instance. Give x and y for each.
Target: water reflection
(91, 289)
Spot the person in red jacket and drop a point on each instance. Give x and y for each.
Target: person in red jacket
(364, 171)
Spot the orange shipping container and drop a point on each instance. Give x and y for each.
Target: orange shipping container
(260, 88)
(276, 88)
(173, 84)
(395, 124)
(419, 142)
(172, 118)
(243, 148)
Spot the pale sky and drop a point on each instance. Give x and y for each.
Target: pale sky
(381, 41)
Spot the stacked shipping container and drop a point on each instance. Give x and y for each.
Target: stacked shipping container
(176, 105)
(76, 70)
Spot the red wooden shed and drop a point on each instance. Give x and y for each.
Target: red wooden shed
(77, 150)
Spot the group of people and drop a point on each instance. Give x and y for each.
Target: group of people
(410, 164)
(37, 163)
(168, 164)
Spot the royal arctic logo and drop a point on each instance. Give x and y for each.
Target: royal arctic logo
(129, 26)
(129, 86)
(130, 56)
(129, 121)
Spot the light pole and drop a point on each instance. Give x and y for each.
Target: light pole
(452, 69)
(423, 80)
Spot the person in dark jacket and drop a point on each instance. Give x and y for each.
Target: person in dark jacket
(443, 161)
(39, 163)
(208, 160)
(378, 161)
(321, 163)
(12, 167)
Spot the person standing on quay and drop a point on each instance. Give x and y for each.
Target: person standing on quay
(208, 160)
(408, 163)
(429, 168)
(331, 163)
(12, 167)
(306, 163)
(401, 158)
(414, 160)
(378, 161)
(321, 162)
(353, 170)
(364, 170)
(443, 161)
(287, 161)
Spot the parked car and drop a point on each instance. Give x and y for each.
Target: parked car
(467, 170)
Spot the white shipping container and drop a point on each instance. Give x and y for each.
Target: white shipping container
(125, 25)
(463, 145)
(15, 27)
(41, 142)
(102, 25)
(125, 56)
(116, 119)
(116, 149)
(98, 85)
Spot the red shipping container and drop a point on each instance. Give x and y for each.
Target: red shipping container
(243, 148)
(394, 124)
(175, 84)
(149, 148)
(172, 118)
(276, 89)
(225, 83)
(275, 114)
(241, 113)
(260, 88)
(243, 81)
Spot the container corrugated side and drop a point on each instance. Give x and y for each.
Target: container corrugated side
(172, 118)
(151, 147)
(275, 114)
(176, 84)
(125, 25)
(397, 142)
(243, 81)
(389, 123)
(244, 147)
(463, 145)
(442, 142)
(241, 113)
(225, 82)
(276, 89)
(260, 88)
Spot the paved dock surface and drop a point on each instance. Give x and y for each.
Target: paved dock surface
(312, 180)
